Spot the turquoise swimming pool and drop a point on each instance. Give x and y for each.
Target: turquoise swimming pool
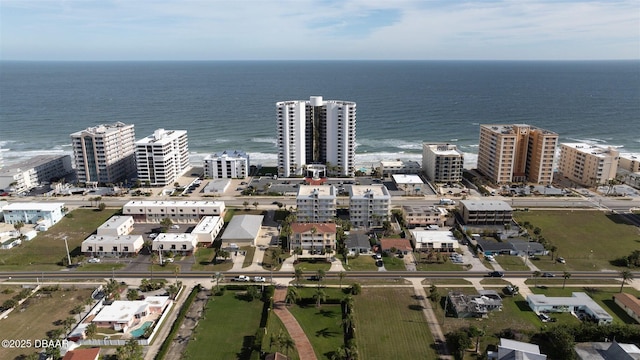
(140, 331)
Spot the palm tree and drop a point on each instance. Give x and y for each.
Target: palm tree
(342, 275)
(313, 233)
(288, 344)
(292, 295)
(19, 225)
(320, 296)
(626, 275)
(298, 274)
(553, 250)
(565, 276)
(245, 204)
(536, 275)
(477, 333)
(347, 322)
(255, 204)
(348, 303)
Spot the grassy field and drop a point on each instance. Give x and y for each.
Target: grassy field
(313, 265)
(511, 263)
(389, 326)
(361, 263)
(392, 263)
(227, 327)
(40, 316)
(588, 240)
(322, 326)
(248, 257)
(204, 256)
(515, 315)
(47, 249)
(603, 296)
(445, 266)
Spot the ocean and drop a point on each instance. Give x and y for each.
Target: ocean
(400, 104)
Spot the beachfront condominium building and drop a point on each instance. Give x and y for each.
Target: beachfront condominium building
(162, 157)
(105, 153)
(28, 174)
(316, 203)
(369, 205)
(586, 164)
(516, 153)
(442, 163)
(227, 165)
(316, 131)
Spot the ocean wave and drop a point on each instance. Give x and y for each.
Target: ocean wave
(269, 140)
(390, 143)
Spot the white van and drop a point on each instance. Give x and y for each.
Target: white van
(447, 202)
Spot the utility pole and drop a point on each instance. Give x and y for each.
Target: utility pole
(66, 245)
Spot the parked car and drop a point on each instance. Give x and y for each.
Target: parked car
(153, 235)
(496, 274)
(259, 279)
(377, 256)
(93, 260)
(168, 260)
(241, 278)
(547, 274)
(561, 260)
(175, 226)
(544, 317)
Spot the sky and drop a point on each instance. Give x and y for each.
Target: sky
(319, 30)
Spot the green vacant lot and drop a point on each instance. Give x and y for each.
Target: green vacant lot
(47, 249)
(390, 326)
(227, 327)
(322, 326)
(588, 240)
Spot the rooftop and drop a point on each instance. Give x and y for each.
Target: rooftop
(491, 205)
(443, 149)
(41, 206)
(207, 224)
(591, 149)
(576, 299)
(243, 227)
(407, 179)
(424, 236)
(373, 190)
(161, 137)
(319, 191)
(30, 163)
(398, 243)
(321, 228)
(115, 222)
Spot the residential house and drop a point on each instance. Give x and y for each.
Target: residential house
(47, 214)
(121, 315)
(513, 350)
(429, 240)
(629, 303)
(358, 243)
(578, 303)
(607, 351)
(476, 305)
(82, 354)
(411, 184)
(400, 245)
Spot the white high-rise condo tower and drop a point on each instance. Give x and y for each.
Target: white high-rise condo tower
(162, 157)
(316, 132)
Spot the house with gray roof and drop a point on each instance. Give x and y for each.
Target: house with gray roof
(516, 350)
(521, 247)
(607, 351)
(579, 304)
(476, 305)
(358, 243)
(242, 230)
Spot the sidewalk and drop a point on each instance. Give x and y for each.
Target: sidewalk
(430, 317)
(305, 350)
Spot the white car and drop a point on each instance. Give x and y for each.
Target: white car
(168, 260)
(153, 235)
(175, 226)
(94, 260)
(259, 279)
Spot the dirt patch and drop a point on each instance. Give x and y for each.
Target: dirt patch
(180, 342)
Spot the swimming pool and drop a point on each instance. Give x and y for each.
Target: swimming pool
(140, 331)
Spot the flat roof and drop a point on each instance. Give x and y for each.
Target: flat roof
(576, 299)
(519, 345)
(161, 137)
(115, 222)
(207, 224)
(423, 236)
(109, 239)
(234, 154)
(488, 205)
(407, 179)
(322, 191)
(443, 149)
(592, 149)
(375, 190)
(30, 163)
(160, 203)
(175, 237)
(26, 206)
(320, 227)
(120, 311)
(424, 208)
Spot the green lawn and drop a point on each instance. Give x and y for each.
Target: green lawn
(588, 240)
(248, 258)
(392, 263)
(322, 326)
(227, 327)
(204, 256)
(48, 248)
(445, 266)
(389, 326)
(511, 263)
(39, 316)
(313, 265)
(361, 263)
(603, 296)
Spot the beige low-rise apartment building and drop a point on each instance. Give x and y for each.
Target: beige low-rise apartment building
(181, 212)
(116, 225)
(630, 163)
(442, 163)
(588, 164)
(112, 245)
(313, 236)
(516, 153)
(485, 212)
(423, 215)
(183, 244)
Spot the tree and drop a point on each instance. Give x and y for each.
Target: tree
(252, 293)
(132, 294)
(321, 275)
(19, 225)
(387, 227)
(102, 206)
(553, 250)
(356, 289)
(626, 275)
(319, 296)
(347, 323)
(245, 204)
(458, 341)
(348, 302)
(341, 275)
(77, 309)
(292, 295)
(476, 332)
(536, 274)
(255, 204)
(131, 350)
(91, 330)
(434, 295)
(298, 274)
(166, 223)
(565, 276)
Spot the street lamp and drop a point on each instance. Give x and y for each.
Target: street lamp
(67, 247)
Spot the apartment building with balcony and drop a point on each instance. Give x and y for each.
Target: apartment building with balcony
(391, 167)
(420, 215)
(230, 164)
(587, 164)
(316, 203)
(313, 236)
(105, 153)
(369, 205)
(481, 212)
(28, 174)
(316, 131)
(442, 163)
(162, 157)
(516, 153)
(180, 212)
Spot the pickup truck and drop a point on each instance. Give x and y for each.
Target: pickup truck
(259, 279)
(241, 278)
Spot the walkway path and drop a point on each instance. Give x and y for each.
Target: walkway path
(430, 316)
(305, 350)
